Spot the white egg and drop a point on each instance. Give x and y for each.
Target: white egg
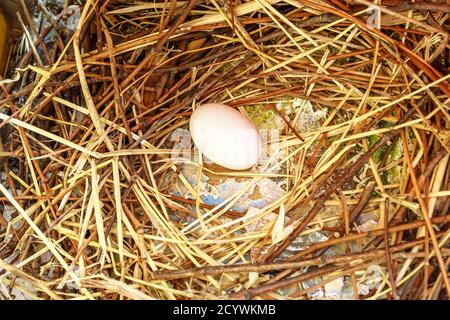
(225, 136)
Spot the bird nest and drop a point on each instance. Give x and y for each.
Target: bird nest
(104, 197)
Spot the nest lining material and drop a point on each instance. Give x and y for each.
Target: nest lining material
(91, 199)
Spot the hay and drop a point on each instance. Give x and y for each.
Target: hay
(355, 188)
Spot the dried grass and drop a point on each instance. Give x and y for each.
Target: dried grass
(85, 153)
